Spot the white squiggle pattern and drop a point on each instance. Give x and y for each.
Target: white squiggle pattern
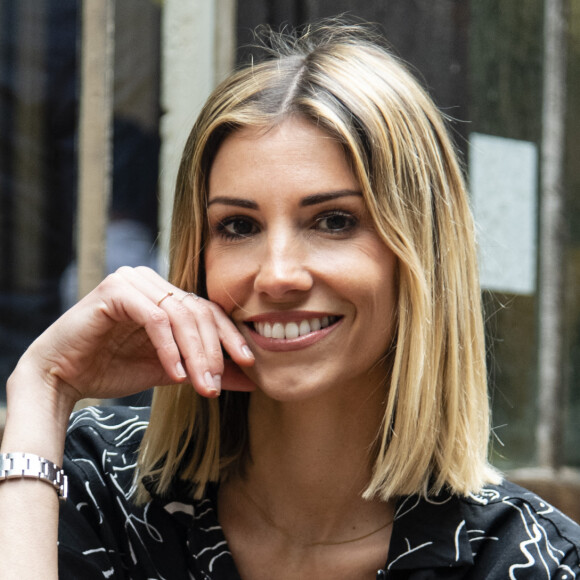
(403, 509)
(546, 508)
(535, 532)
(215, 558)
(481, 537)
(94, 501)
(91, 465)
(485, 496)
(409, 550)
(530, 560)
(177, 506)
(94, 551)
(410, 503)
(218, 545)
(456, 538)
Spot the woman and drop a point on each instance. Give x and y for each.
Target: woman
(322, 237)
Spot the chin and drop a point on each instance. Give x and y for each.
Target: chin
(288, 386)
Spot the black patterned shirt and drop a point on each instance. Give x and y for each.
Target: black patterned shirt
(503, 532)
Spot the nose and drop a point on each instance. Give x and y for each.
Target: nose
(283, 268)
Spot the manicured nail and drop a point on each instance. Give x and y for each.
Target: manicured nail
(180, 370)
(213, 383)
(247, 352)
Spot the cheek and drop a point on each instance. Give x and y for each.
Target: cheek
(216, 279)
(388, 288)
(379, 276)
(224, 279)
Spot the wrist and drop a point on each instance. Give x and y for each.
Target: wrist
(37, 414)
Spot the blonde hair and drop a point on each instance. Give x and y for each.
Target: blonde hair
(436, 423)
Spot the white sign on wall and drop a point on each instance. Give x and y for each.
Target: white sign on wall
(503, 183)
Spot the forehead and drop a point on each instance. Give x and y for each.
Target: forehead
(295, 155)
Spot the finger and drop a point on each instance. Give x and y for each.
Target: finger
(125, 303)
(202, 316)
(147, 281)
(196, 334)
(229, 335)
(202, 329)
(193, 326)
(232, 339)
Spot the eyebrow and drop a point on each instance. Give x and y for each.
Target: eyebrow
(317, 198)
(235, 201)
(307, 201)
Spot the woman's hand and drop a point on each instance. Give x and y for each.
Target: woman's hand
(134, 331)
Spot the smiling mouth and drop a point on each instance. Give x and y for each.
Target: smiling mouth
(289, 330)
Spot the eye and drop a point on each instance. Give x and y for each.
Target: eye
(336, 222)
(237, 227)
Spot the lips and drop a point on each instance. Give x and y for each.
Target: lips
(290, 330)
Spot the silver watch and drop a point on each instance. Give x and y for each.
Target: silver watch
(28, 465)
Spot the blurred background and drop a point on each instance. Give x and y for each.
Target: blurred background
(96, 100)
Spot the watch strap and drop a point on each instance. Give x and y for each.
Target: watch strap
(31, 466)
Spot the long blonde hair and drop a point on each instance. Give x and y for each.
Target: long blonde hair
(436, 423)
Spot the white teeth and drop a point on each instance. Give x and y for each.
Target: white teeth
(293, 329)
(278, 330)
(304, 327)
(267, 330)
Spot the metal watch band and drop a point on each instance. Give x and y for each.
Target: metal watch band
(28, 465)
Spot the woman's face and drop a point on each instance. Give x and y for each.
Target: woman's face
(294, 259)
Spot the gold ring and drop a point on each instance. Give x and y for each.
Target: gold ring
(194, 296)
(166, 296)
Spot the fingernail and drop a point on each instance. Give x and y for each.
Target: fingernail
(247, 352)
(213, 383)
(180, 370)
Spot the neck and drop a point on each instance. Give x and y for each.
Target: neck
(311, 462)
(312, 442)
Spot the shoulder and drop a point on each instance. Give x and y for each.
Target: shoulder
(504, 531)
(512, 505)
(513, 524)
